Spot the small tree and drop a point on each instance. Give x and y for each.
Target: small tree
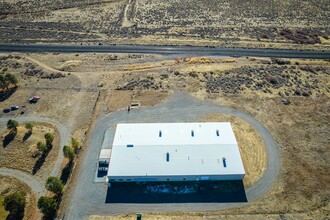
(49, 137)
(10, 78)
(47, 206)
(12, 124)
(29, 126)
(75, 145)
(68, 153)
(3, 82)
(54, 185)
(42, 147)
(15, 203)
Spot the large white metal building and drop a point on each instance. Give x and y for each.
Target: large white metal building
(175, 152)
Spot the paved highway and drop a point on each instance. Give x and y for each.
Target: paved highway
(164, 50)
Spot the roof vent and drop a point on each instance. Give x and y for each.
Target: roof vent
(218, 133)
(167, 157)
(192, 133)
(160, 133)
(224, 162)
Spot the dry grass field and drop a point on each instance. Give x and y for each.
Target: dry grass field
(276, 24)
(19, 153)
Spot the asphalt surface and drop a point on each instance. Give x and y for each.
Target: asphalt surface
(164, 50)
(89, 198)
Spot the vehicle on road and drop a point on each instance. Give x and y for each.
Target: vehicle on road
(14, 107)
(34, 99)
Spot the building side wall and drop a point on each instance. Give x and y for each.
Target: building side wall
(174, 178)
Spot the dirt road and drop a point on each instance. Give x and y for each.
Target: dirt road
(180, 108)
(33, 182)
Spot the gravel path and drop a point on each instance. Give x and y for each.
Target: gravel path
(33, 182)
(180, 108)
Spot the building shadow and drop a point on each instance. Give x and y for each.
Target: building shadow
(177, 192)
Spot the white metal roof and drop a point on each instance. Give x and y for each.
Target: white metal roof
(141, 149)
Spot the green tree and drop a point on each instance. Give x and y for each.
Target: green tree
(12, 124)
(49, 139)
(54, 184)
(76, 145)
(29, 126)
(47, 206)
(10, 78)
(15, 203)
(68, 152)
(42, 147)
(3, 82)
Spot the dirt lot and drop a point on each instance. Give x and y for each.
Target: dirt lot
(278, 24)
(118, 100)
(9, 185)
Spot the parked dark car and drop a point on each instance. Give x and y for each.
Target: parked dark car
(34, 99)
(14, 107)
(6, 110)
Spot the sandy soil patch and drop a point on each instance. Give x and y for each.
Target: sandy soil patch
(250, 144)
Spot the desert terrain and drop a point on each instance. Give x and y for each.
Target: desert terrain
(278, 107)
(252, 24)
(290, 97)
